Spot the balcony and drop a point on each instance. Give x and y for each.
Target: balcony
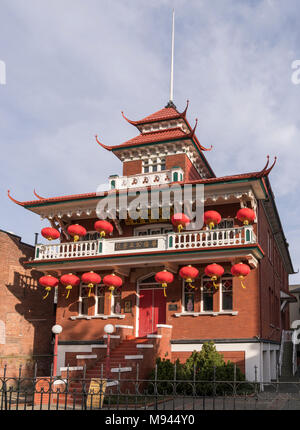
(227, 237)
(146, 179)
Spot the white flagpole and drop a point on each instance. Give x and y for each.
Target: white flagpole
(172, 58)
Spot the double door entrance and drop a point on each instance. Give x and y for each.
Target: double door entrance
(152, 310)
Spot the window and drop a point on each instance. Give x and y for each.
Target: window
(189, 298)
(147, 231)
(91, 235)
(226, 285)
(154, 165)
(208, 290)
(100, 299)
(84, 300)
(270, 248)
(116, 301)
(226, 223)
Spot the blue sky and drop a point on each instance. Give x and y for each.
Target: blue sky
(74, 65)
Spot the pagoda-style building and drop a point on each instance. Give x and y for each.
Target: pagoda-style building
(169, 315)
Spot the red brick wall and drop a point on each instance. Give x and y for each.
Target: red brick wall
(28, 319)
(272, 278)
(132, 167)
(182, 160)
(243, 325)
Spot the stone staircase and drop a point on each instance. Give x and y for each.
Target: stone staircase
(132, 359)
(287, 377)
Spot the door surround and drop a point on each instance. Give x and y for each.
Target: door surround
(151, 286)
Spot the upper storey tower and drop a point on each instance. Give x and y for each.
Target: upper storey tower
(166, 141)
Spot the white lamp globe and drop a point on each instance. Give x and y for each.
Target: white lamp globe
(109, 328)
(56, 329)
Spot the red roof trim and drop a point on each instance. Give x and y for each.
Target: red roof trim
(164, 114)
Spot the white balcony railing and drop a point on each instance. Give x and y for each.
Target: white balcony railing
(146, 179)
(163, 242)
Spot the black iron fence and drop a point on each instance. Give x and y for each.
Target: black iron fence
(83, 393)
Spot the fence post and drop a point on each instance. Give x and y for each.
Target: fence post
(214, 387)
(4, 392)
(155, 386)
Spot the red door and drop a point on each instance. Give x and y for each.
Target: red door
(152, 311)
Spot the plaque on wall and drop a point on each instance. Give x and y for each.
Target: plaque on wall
(172, 307)
(137, 244)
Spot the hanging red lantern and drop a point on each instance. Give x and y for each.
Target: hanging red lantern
(214, 271)
(103, 227)
(112, 281)
(91, 279)
(240, 270)
(48, 282)
(69, 281)
(76, 231)
(180, 221)
(189, 273)
(164, 278)
(212, 218)
(246, 215)
(50, 233)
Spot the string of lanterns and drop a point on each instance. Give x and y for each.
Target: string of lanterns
(179, 220)
(89, 278)
(164, 278)
(212, 218)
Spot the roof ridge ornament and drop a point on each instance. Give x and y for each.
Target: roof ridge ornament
(270, 168)
(36, 195)
(265, 171)
(109, 148)
(14, 200)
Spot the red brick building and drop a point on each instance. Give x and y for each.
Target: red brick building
(25, 321)
(245, 323)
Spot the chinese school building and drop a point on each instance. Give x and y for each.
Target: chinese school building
(151, 319)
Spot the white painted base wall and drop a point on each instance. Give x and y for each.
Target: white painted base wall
(261, 355)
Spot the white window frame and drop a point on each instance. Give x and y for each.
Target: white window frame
(148, 162)
(183, 310)
(112, 302)
(97, 299)
(204, 278)
(223, 278)
(80, 314)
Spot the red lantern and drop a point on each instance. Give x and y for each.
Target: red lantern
(50, 233)
(76, 231)
(214, 271)
(90, 278)
(246, 215)
(189, 273)
(48, 282)
(69, 281)
(103, 227)
(240, 270)
(112, 281)
(211, 218)
(180, 221)
(164, 278)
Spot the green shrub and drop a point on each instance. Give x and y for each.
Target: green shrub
(201, 374)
